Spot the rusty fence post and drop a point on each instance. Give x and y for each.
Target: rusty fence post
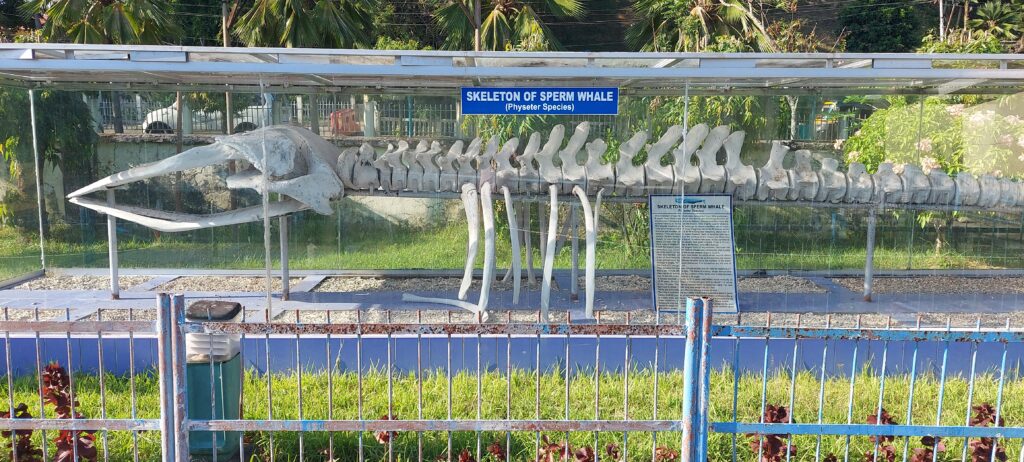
(178, 362)
(704, 380)
(689, 411)
(164, 355)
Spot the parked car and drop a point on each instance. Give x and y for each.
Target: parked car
(165, 120)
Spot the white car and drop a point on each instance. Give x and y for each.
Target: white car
(165, 120)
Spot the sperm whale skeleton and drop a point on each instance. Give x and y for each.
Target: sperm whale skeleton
(309, 172)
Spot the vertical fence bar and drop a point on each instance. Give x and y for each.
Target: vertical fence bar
(164, 367)
(628, 364)
(792, 387)
(970, 386)
(597, 390)
(999, 397)
(73, 402)
(910, 399)
(178, 373)
(853, 383)
(10, 384)
(359, 379)
(881, 388)
(764, 384)
(419, 384)
(942, 383)
(39, 383)
(821, 389)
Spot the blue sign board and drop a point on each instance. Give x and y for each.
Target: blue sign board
(540, 101)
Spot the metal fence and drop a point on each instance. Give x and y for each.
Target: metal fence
(427, 386)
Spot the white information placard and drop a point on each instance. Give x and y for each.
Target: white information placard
(692, 250)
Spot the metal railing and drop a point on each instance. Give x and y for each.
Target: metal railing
(626, 386)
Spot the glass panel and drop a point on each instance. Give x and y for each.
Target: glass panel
(20, 252)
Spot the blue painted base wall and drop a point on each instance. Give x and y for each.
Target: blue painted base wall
(313, 354)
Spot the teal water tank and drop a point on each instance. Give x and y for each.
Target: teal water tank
(213, 378)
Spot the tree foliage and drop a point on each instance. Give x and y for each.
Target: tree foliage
(882, 26)
(308, 24)
(105, 21)
(693, 25)
(505, 24)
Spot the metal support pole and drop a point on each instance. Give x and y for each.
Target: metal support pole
(689, 412)
(369, 117)
(284, 257)
(115, 289)
(178, 373)
(165, 367)
(314, 114)
(476, 23)
(408, 117)
(704, 380)
(869, 260)
(39, 178)
(574, 272)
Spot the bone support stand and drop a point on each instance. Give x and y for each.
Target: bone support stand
(470, 201)
(529, 243)
(115, 289)
(574, 290)
(590, 226)
(549, 254)
(487, 207)
(283, 235)
(513, 232)
(869, 260)
(509, 213)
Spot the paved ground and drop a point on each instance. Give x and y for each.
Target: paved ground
(836, 299)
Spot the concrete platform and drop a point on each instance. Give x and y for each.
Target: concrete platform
(836, 299)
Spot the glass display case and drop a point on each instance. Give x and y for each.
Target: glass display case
(877, 175)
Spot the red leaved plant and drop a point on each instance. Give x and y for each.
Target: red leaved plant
(465, 456)
(22, 449)
(983, 449)
(57, 392)
(882, 452)
(551, 451)
(663, 454)
(612, 450)
(584, 454)
(773, 448)
(497, 451)
(927, 453)
(384, 437)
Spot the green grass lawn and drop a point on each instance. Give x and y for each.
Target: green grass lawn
(315, 392)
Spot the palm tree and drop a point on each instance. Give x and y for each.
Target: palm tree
(105, 21)
(505, 24)
(999, 19)
(693, 25)
(136, 22)
(308, 24)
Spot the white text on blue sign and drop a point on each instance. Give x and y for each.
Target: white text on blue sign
(529, 101)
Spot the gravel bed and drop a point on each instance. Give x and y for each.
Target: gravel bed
(221, 284)
(780, 284)
(18, 314)
(783, 284)
(64, 282)
(937, 285)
